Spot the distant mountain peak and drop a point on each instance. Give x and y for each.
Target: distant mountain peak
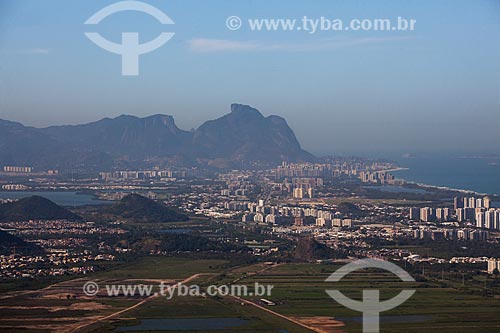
(165, 118)
(160, 118)
(245, 135)
(242, 109)
(241, 136)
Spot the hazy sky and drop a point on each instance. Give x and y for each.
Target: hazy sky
(436, 88)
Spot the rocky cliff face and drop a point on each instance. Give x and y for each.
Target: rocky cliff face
(243, 135)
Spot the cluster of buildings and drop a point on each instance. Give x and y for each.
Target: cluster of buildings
(301, 170)
(334, 167)
(468, 209)
(18, 169)
(306, 177)
(29, 171)
(55, 263)
(233, 195)
(67, 248)
(494, 266)
(325, 217)
(303, 192)
(468, 260)
(478, 210)
(238, 183)
(450, 234)
(15, 187)
(123, 175)
(380, 177)
(428, 214)
(488, 219)
(297, 187)
(332, 223)
(263, 197)
(65, 242)
(58, 227)
(2, 201)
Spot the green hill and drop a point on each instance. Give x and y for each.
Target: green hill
(35, 208)
(10, 244)
(308, 249)
(141, 209)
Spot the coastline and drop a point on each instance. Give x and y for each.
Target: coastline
(440, 187)
(450, 173)
(446, 188)
(395, 169)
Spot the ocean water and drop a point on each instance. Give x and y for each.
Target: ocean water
(475, 174)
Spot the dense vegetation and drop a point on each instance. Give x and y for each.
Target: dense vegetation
(34, 208)
(308, 249)
(141, 209)
(10, 244)
(171, 242)
(351, 210)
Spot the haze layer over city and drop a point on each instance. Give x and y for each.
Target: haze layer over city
(249, 166)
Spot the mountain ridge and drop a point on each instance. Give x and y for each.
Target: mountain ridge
(242, 136)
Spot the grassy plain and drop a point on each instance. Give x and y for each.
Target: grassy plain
(439, 305)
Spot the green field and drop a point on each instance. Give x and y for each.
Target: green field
(187, 308)
(299, 293)
(163, 268)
